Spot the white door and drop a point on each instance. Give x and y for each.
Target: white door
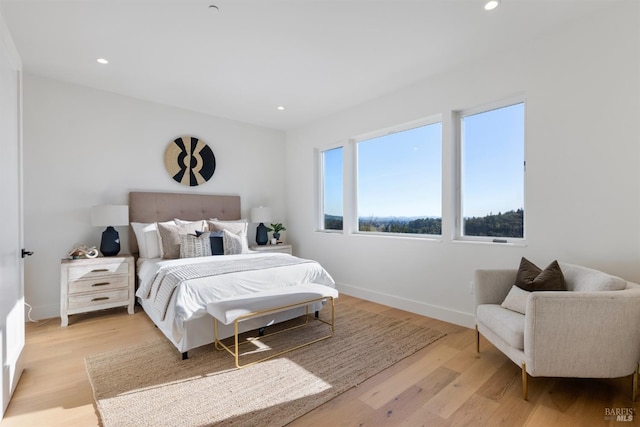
(11, 268)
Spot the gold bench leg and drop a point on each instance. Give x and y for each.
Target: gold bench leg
(235, 352)
(525, 381)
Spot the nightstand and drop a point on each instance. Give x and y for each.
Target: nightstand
(281, 248)
(96, 284)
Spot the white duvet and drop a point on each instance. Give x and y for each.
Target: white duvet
(191, 297)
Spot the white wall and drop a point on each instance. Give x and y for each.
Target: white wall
(582, 90)
(84, 147)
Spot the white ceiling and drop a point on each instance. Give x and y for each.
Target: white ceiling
(242, 61)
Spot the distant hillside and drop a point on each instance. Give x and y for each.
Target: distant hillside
(394, 225)
(508, 224)
(332, 222)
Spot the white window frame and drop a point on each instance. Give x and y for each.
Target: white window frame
(457, 121)
(353, 189)
(320, 187)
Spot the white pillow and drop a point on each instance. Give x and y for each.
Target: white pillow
(234, 243)
(202, 223)
(236, 227)
(516, 300)
(147, 237)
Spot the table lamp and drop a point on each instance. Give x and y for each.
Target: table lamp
(261, 215)
(110, 216)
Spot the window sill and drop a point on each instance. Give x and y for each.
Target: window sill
(408, 236)
(516, 244)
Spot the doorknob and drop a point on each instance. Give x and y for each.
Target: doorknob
(26, 253)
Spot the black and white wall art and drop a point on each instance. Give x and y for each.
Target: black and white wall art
(189, 161)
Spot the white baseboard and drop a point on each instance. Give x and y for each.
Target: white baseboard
(429, 310)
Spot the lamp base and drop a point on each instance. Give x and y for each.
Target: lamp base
(261, 235)
(110, 243)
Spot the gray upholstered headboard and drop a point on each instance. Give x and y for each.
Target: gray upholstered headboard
(154, 207)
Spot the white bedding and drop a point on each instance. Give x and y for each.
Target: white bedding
(189, 301)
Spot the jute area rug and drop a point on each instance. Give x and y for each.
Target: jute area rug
(149, 385)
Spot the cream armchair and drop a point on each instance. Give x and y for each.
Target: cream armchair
(590, 331)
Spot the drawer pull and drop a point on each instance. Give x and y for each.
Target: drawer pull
(99, 299)
(99, 270)
(101, 284)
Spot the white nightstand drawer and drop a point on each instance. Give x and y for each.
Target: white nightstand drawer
(89, 271)
(99, 284)
(94, 300)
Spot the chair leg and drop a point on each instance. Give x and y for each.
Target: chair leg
(525, 381)
(634, 384)
(477, 340)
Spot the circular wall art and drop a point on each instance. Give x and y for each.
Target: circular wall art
(189, 161)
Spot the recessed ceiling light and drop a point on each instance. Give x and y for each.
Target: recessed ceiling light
(491, 4)
(102, 61)
(280, 108)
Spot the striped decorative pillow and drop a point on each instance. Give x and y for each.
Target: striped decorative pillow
(195, 246)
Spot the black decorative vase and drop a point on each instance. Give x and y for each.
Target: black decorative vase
(261, 235)
(110, 244)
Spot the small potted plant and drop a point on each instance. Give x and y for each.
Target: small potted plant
(277, 228)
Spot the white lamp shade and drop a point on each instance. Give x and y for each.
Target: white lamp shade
(260, 214)
(109, 215)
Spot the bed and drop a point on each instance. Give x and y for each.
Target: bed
(180, 311)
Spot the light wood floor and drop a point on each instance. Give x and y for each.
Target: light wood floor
(445, 384)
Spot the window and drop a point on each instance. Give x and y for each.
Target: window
(399, 180)
(492, 173)
(331, 161)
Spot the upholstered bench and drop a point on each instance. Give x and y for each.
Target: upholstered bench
(240, 308)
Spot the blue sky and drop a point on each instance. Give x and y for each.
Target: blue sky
(406, 179)
(493, 161)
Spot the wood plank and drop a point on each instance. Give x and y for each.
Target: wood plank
(498, 384)
(387, 390)
(452, 397)
(475, 411)
(352, 414)
(423, 417)
(399, 408)
(404, 405)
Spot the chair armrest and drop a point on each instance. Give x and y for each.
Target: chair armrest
(582, 334)
(492, 286)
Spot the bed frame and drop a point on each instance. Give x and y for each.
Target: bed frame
(157, 207)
